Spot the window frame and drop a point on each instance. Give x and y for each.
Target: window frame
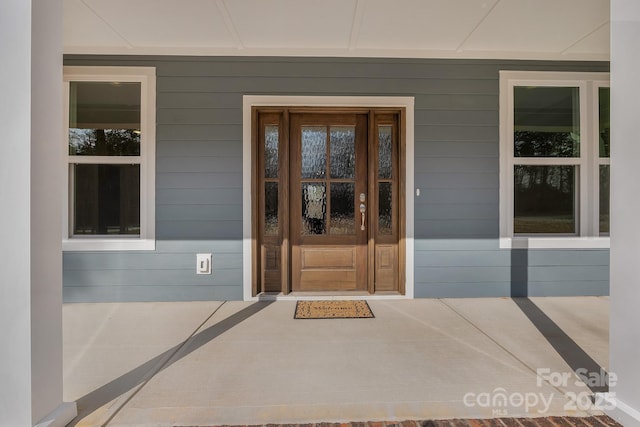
(597, 160)
(146, 76)
(587, 192)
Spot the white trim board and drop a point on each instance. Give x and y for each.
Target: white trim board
(335, 53)
(326, 101)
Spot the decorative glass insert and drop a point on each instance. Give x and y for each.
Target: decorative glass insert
(546, 121)
(385, 152)
(342, 218)
(545, 199)
(104, 119)
(604, 198)
(271, 139)
(106, 199)
(343, 151)
(385, 208)
(604, 119)
(314, 208)
(314, 151)
(271, 209)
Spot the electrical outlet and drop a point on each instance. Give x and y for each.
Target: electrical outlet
(203, 263)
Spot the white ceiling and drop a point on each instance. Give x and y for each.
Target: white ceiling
(511, 29)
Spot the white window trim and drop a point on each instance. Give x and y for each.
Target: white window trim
(328, 101)
(597, 160)
(587, 198)
(146, 241)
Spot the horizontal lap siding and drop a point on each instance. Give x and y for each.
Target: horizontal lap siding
(199, 178)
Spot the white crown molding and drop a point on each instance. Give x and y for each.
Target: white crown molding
(342, 53)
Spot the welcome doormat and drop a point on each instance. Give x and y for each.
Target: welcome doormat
(333, 310)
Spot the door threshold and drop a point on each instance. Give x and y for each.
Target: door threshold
(328, 296)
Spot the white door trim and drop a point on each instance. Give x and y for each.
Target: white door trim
(326, 101)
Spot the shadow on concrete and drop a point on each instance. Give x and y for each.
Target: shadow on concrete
(143, 373)
(579, 361)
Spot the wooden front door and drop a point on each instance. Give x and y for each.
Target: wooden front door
(328, 200)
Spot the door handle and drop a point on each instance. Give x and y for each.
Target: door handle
(363, 209)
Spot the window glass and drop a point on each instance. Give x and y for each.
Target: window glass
(342, 216)
(604, 199)
(546, 122)
(385, 152)
(343, 151)
(604, 132)
(104, 118)
(385, 208)
(604, 125)
(544, 199)
(106, 199)
(271, 209)
(314, 208)
(271, 141)
(314, 152)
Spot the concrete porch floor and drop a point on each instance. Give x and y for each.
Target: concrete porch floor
(212, 363)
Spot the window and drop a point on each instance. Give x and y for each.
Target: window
(110, 158)
(554, 159)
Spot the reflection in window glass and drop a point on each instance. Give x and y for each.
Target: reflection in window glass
(604, 119)
(106, 199)
(314, 209)
(385, 208)
(342, 208)
(544, 199)
(271, 138)
(104, 119)
(546, 122)
(314, 151)
(271, 208)
(385, 152)
(343, 151)
(604, 199)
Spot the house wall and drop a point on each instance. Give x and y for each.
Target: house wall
(199, 178)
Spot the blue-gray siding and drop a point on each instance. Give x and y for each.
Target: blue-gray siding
(199, 178)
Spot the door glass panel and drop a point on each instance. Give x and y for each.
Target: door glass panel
(604, 117)
(271, 138)
(271, 208)
(385, 210)
(314, 151)
(385, 152)
(314, 208)
(604, 199)
(546, 122)
(545, 199)
(342, 208)
(104, 119)
(343, 151)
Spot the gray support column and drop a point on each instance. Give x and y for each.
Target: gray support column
(30, 214)
(625, 210)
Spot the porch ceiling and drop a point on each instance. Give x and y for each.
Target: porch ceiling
(511, 29)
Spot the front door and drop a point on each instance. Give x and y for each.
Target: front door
(329, 206)
(328, 202)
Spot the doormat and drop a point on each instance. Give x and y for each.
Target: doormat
(333, 310)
